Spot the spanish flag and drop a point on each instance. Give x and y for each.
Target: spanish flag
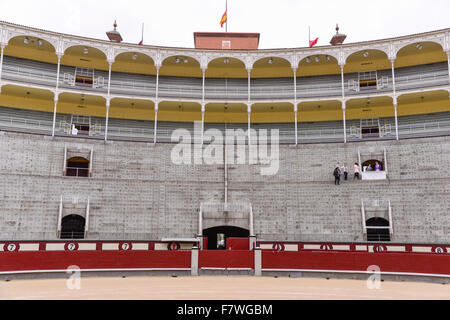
(224, 18)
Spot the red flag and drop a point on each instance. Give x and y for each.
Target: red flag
(141, 43)
(313, 43)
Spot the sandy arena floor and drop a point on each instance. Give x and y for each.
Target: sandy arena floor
(218, 288)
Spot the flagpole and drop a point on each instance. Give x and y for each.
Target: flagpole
(226, 10)
(309, 36)
(142, 33)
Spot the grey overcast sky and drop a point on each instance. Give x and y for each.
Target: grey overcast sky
(282, 23)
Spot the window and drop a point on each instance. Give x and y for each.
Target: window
(81, 125)
(373, 163)
(72, 227)
(368, 80)
(77, 167)
(378, 230)
(226, 44)
(84, 77)
(370, 128)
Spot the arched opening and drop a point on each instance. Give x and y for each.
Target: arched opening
(317, 65)
(77, 167)
(373, 165)
(217, 236)
(272, 67)
(72, 227)
(134, 62)
(378, 230)
(423, 53)
(184, 66)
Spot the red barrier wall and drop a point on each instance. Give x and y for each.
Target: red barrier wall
(25, 261)
(226, 259)
(37, 256)
(238, 244)
(357, 261)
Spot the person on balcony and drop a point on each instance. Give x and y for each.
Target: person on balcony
(378, 167)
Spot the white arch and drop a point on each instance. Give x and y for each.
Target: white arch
(303, 57)
(268, 55)
(415, 41)
(164, 58)
(385, 50)
(103, 49)
(52, 42)
(224, 55)
(310, 53)
(149, 54)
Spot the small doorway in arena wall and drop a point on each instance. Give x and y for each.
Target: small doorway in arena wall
(378, 230)
(218, 236)
(72, 227)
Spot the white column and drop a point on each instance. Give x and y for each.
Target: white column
(343, 102)
(249, 106)
(296, 123)
(108, 100)
(156, 122)
(249, 91)
(345, 126)
(56, 98)
(58, 71)
(394, 99)
(108, 103)
(56, 93)
(295, 105)
(109, 78)
(156, 104)
(396, 117)
(194, 261)
(203, 104)
(448, 59)
(200, 222)
(1, 61)
(342, 81)
(249, 112)
(203, 120)
(157, 84)
(203, 86)
(258, 262)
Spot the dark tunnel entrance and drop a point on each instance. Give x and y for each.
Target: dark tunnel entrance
(217, 236)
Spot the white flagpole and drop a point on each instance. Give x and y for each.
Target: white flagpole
(309, 37)
(226, 11)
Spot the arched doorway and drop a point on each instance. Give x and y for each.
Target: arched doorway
(217, 236)
(72, 227)
(379, 231)
(77, 167)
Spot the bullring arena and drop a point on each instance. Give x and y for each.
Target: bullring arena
(116, 162)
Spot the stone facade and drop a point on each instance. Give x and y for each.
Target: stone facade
(136, 192)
